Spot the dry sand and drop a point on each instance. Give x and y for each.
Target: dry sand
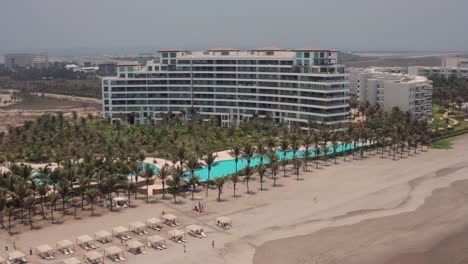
(363, 211)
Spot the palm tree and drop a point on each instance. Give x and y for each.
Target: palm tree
(10, 213)
(111, 183)
(248, 176)
(192, 164)
(42, 191)
(53, 198)
(247, 152)
(29, 204)
(75, 201)
(261, 169)
(297, 165)
(235, 153)
(334, 141)
(284, 146)
(307, 141)
(130, 187)
(193, 182)
(316, 141)
(92, 194)
(163, 174)
(148, 176)
(83, 183)
(219, 184)
(209, 161)
(274, 168)
(234, 178)
(261, 151)
(3, 202)
(176, 177)
(63, 191)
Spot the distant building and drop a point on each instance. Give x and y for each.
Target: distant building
(443, 71)
(107, 69)
(24, 60)
(450, 62)
(408, 92)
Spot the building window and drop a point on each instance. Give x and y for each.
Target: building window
(164, 55)
(298, 62)
(269, 53)
(298, 54)
(306, 55)
(173, 55)
(121, 68)
(164, 61)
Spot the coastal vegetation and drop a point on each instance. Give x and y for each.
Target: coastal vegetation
(88, 161)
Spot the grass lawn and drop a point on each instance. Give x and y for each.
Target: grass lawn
(443, 144)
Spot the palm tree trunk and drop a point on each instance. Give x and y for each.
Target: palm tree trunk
(207, 180)
(42, 208)
(147, 194)
(163, 189)
(30, 218)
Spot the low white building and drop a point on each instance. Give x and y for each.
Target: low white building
(408, 92)
(443, 71)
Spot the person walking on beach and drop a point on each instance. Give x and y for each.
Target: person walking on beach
(212, 244)
(6, 248)
(30, 251)
(185, 250)
(14, 245)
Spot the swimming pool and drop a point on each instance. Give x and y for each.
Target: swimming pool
(227, 167)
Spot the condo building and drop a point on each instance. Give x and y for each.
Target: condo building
(441, 71)
(227, 85)
(408, 92)
(23, 60)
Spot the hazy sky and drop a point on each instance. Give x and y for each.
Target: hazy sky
(199, 24)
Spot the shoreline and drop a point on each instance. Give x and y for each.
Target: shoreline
(323, 199)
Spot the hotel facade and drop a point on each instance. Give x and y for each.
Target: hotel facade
(406, 91)
(227, 85)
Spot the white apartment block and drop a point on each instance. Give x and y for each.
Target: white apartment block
(441, 71)
(228, 85)
(408, 92)
(35, 60)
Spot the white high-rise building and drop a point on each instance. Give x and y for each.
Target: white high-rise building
(292, 87)
(408, 92)
(441, 71)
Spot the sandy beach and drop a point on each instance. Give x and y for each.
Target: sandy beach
(364, 211)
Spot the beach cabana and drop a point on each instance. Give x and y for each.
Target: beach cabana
(86, 242)
(65, 246)
(136, 247)
(138, 228)
(103, 236)
(17, 257)
(45, 252)
(170, 220)
(176, 236)
(72, 260)
(154, 223)
(93, 257)
(195, 231)
(120, 202)
(156, 241)
(121, 233)
(224, 222)
(114, 253)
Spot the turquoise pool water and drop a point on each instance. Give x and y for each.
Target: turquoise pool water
(227, 167)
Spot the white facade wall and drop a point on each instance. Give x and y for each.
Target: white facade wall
(290, 87)
(407, 92)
